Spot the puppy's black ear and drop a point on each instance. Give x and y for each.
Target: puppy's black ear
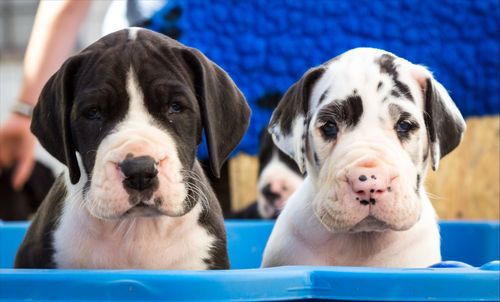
(289, 121)
(224, 110)
(51, 117)
(445, 125)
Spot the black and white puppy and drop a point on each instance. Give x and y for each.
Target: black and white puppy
(126, 116)
(366, 126)
(22, 204)
(278, 178)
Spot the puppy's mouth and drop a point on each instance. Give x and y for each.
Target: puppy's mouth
(142, 210)
(370, 224)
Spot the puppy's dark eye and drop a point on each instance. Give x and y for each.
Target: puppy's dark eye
(175, 108)
(405, 126)
(93, 114)
(330, 130)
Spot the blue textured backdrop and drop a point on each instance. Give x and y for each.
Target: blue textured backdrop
(267, 45)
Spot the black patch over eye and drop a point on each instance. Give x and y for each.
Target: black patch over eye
(329, 130)
(93, 113)
(175, 108)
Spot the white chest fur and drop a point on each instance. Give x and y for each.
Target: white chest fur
(308, 243)
(82, 241)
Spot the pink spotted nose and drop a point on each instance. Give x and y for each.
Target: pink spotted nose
(370, 182)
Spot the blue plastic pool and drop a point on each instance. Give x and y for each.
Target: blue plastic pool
(476, 276)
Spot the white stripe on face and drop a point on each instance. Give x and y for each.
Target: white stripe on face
(132, 33)
(137, 135)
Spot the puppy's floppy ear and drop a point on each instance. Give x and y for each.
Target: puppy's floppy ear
(224, 110)
(444, 122)
(51, 117)
(290, 119)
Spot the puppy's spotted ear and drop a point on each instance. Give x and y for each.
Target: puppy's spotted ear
(224, 110)
(290, 119)
(444, 122)
(51, 116)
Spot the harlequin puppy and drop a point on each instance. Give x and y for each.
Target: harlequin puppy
(126, 116)
(278, 178)
(366, 126)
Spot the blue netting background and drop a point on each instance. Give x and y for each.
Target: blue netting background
(266, 45)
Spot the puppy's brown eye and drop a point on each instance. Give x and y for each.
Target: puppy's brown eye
(93, 113)
(175, 108)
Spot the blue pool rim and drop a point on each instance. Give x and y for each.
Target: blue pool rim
(271, 284)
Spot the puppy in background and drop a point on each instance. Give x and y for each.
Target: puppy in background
(365, 126)
(126, 116)
(278, 178)
(22, 204)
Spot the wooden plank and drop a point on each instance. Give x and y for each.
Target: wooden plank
(243, 171)
(467, 183)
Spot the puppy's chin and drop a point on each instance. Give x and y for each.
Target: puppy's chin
(105, 207)
(336, 217)
(143, 210)
(370, 224)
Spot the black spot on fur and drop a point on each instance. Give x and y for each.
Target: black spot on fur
(388, 66)
(316, 159)
(348, 111)
(372, 201)
(395, 93)
(362, 178)
(404, 89)
(353, 110)
(386, 62)
(364, 202)
(323, 96)
(379, 86)
(417, 188)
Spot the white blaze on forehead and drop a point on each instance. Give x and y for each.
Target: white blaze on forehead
(136, 110)
(132, 33)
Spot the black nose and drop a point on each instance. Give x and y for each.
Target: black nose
(269, 195)
(140, 172)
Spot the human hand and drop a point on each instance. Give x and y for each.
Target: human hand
(17, 146)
